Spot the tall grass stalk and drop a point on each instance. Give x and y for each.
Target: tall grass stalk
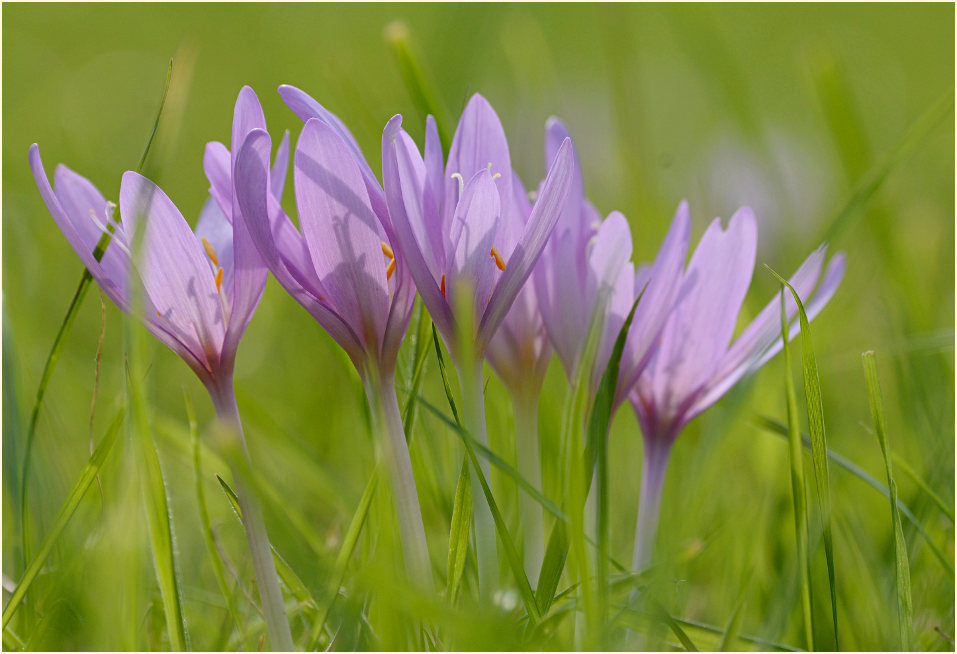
(529, 467)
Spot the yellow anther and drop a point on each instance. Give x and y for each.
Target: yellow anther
(159, 315)
(499, 262)
(210, 252)
(496, 175)
(219, 279)
(386, 250)
(442, 286)
(390, 270)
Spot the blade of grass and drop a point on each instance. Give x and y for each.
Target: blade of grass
(218, 569)
(55, 350)
(733, 630)
(82, 484)
(420, 348)
(445, 377)
(342, 559)
(918, 132)
(511, 553)
(903, 465)
(798, 492)
(459, 531)
(775, 427)
(285, 571)
(424, 95)
(815, 417)
(905, 609)
(156, 504)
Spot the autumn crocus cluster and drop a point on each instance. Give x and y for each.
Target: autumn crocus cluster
(505, 275)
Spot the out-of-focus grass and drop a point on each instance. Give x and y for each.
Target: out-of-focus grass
(786, 108)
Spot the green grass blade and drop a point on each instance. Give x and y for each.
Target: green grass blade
(459, 532)
(286, 573)
(219, 570)
(798, 493)
(82, 484)
(919, 131)
(815, 417)
(54, 356)
(342, 559)
(733, 630)
(158, 516)
(423, 94)
(941, 504)
(775, 427)
(511, 552)
(905, 609)
(445, 377)
(420, 343)
(556, 554)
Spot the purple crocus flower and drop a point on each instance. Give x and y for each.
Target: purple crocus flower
(198, 292)
(344, 269)
(695, 362)
(460, 230)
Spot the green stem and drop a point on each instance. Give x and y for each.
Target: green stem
(473, 409)
(529, 466)
(237, 454)
(388, 419)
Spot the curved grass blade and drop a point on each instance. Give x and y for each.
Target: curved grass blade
(156, 503)
(286, 573)
(905, 609)
(459, 531)
(219, 570)
(420, 348)
(445, 377)
(733, 630)
(511, 553)
(54, 356)
(815, 419)
(82, 484)
(798, 492)
(424, 96)
(775, 427)
(920, 130)
(903, 465)
(342, 559)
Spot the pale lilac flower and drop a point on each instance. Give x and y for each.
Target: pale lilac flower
(198, 291)
(462, 224)
(586, 275)
(458, 227)
(344, 269)
(695, 362)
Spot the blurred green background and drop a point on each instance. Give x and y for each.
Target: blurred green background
(790, 109)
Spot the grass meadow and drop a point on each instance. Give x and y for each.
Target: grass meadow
(834, 122)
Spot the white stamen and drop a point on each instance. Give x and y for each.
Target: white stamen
(458, 176)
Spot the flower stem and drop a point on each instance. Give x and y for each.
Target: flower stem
(473, 409)
(657, 452)
(237, 454)
(529, 466)
(415, 548)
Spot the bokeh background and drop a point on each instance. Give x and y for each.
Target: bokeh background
(790, 109)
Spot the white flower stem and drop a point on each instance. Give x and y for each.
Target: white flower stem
(237, 454)
(473, 409)
(657, 452)
(388, 422)
(529, 466)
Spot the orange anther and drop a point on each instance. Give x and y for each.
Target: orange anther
(389, 270)
(210, 252)
(219, 279)
(499, 262)
(442, 286)
(387, 250)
